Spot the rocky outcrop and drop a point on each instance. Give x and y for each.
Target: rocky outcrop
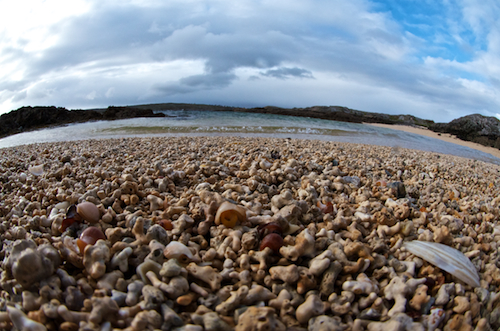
(335, 113)
(115, 113)
(477, 128)
(342, 114)
(30, 118)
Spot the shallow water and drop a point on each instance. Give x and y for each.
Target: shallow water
(203, 123)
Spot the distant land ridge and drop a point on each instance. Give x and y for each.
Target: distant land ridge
(334, 113)
(476, 128)
(32, 118)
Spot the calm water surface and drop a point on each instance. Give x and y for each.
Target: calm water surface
(212, 123)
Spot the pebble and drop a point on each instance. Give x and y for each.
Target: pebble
(169, 261)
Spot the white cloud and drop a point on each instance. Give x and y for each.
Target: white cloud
(287, 53)
(110, 92)
(91, 95)
(25, 22)
(480, 16)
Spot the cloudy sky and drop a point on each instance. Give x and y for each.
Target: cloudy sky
(436, 59)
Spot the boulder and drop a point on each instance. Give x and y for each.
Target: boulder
(477, 128)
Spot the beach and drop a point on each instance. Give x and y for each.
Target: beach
(213, 123)
(442, 136)
(231, 233)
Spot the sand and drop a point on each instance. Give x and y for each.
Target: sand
(443, 136)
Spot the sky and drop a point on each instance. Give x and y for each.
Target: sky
(435, 59)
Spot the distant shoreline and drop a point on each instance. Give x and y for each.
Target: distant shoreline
(441, 136)
(476, 129)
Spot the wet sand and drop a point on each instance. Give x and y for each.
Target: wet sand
(443, 136)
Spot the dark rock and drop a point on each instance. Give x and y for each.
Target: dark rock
(65, 158)
(336, 113)
(342, 114)
(30, 118)
(370, 314)
(398, 189)
(114, 113)
(476, 128)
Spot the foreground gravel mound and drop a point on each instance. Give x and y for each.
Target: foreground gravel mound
(246, 234)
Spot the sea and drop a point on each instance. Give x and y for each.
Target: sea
(220, 123)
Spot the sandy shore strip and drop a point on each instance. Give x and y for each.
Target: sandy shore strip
(246, 234)
(443, 136)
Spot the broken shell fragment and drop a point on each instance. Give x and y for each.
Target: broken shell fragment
(36, 170)
(72, 216)
(229, 214)
(66, 223)
(447, 258)
(72, 213)
(326, 208)
(179, 251)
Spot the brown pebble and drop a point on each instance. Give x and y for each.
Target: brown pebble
(185, 300)
(68, 326)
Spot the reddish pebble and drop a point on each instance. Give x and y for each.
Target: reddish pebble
(325, 208)
(89, 237)
(166, 224)
(272, 227)
(273, 240)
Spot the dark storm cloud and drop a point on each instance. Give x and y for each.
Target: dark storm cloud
(285, 73)
(196, 83)
(225, 51)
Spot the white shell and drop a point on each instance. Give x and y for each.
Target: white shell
(447, 258)
(227, 206)
(58, 209)
(177, 250)
(36, 170)
(62, 205)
